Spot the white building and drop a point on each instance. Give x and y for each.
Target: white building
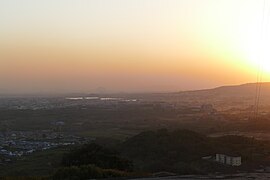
(229, 160)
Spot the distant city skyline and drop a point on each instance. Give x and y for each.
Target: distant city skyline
(81, 46)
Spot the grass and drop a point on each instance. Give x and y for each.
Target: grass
(37, 164)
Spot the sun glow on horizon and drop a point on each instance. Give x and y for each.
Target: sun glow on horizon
(131, 45)
(256, 42)
(259, 53)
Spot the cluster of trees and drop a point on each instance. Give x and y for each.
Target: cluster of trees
(24, 178)
(178, 151)
(181, 151)
(93, 161)
(86, 172)
(100, 156)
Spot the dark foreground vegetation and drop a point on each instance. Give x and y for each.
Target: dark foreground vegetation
(178, 152)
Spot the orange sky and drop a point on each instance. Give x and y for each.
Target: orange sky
(130, 46)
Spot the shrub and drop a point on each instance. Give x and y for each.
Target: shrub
(87, 172)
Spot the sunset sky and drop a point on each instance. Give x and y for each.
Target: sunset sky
(131, 45)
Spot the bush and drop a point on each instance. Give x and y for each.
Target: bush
(97, 155)
(87, 172)
(23, 178)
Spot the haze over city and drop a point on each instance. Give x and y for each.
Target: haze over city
(134, 89)
(130, 46)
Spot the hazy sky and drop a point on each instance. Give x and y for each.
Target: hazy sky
(131, 45)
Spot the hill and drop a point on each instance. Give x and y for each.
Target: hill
(244, 90)
(224, 97)
(180, 151)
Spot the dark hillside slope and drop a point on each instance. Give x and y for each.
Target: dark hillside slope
(182, 150)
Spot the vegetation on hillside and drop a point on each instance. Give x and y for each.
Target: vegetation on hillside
(99, 156)
(178, 151)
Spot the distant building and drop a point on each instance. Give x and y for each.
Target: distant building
(229, 160)
(57, 126)
(208, 108)
(59, 123)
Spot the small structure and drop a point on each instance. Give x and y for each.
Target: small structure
(229, 160)
(58, 125)
(208, 108)
(207, 158)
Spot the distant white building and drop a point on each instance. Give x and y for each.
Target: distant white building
(229, 160)
(208, 108)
